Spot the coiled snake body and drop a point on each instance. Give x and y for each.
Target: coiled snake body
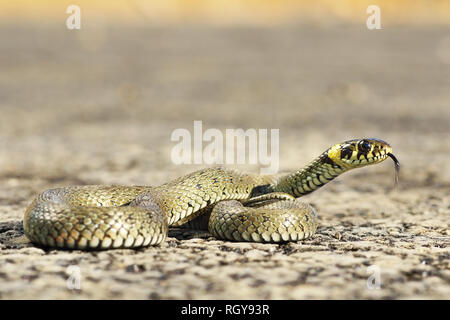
(235, 206)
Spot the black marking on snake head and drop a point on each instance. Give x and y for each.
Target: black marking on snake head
(326, 159)
(346, 153)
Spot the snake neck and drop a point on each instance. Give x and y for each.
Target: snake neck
(318, 173)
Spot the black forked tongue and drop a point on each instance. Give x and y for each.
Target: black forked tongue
(397, 167)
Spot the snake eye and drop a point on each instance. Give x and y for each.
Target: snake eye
(364, 146)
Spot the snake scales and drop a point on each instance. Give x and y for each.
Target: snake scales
(235, 206)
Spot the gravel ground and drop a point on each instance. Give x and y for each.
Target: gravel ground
(98, 106)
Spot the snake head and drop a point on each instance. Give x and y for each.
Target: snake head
(361, 152)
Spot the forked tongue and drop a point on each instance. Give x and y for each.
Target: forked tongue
(397, 167)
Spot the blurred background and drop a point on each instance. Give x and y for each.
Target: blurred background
(98, 105)
(103, 100)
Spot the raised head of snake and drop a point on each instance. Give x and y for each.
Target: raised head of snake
(237, 206)
(334, 161)
(360, 152)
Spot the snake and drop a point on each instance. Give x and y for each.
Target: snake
(230, 205)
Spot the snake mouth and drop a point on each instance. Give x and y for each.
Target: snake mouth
(355, 159)
(397, 166)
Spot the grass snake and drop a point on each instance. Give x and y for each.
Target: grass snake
(231, 205)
